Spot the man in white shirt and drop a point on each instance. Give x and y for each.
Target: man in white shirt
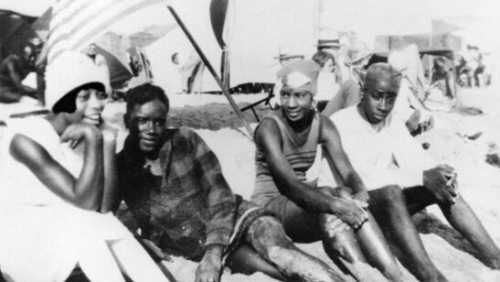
(384, 154)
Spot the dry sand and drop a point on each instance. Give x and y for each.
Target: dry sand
(451, 142)
(454, 140)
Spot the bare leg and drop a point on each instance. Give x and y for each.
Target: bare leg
(304, 227)
(375, 247)
(268, 238)
(465, 221)
(247, 261)
(388, 204)
(462, 218)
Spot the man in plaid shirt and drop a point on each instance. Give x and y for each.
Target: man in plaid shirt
(173, 184)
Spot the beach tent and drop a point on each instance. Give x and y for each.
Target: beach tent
(423, 41)
(253, 34)
(261, 30)
(15, 31)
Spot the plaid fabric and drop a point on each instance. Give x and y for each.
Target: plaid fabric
(188, 208)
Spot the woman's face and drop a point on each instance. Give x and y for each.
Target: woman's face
(329, 66)
(90, 103)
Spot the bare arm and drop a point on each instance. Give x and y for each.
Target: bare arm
(269, 138)
(336, 154)
(110, 195)
(84, 192)
(13, 73)
(16, 78)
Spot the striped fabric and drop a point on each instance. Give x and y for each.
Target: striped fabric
(77, 23)
(299, 154)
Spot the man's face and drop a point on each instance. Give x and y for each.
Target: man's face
(28, 56)
(296, 104)
(147, 126)
(377, 104)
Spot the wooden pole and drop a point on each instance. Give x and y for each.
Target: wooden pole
(212, 71)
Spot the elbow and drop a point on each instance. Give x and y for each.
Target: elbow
(89, 200)
(90, 205)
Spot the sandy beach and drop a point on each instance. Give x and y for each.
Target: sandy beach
(470, 143)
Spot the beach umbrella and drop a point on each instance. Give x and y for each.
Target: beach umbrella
(150, 35)
(42, 25)
(113, 47)
(218, 12)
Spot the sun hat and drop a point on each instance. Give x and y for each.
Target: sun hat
(71, 70)
(328, 38)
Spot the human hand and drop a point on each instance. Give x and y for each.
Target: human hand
(352, 212)
(361, 196)
(442, 182)
(210, 266)
(109, 134)
(77, 132)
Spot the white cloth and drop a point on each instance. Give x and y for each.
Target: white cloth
(327, 86)
(382, 155)
(43, 237)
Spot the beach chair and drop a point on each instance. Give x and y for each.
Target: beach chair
(264, 100)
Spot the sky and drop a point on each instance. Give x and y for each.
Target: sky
(481, 17)
(256, 25)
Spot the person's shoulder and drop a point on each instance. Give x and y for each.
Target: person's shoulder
(183, 133)
(183, 137)
(268, 125)
(344, 114)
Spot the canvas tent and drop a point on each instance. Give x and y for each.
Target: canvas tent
(15, 31)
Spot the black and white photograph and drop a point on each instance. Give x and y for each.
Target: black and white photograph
(249, 140)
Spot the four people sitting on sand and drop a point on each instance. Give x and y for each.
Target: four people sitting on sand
(173, 184)
(59, 184)
(385, 155)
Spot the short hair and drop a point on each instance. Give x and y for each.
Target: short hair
(143, 94)
(67, 104)
(321, 57)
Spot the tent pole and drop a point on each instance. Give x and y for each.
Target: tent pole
(212, 71)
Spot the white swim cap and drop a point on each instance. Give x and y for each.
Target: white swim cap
(71, 70)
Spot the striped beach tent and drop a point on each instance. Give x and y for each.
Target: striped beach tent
(77, 23)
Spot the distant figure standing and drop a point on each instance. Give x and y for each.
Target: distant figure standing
(327, 85)
(13, 70)
(191, 69)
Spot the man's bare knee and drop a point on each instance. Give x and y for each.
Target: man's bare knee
(267, 231)
(393, 192)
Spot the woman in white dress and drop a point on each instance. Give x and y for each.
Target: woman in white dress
(53, 198)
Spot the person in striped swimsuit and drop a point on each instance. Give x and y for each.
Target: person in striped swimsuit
(287, 141)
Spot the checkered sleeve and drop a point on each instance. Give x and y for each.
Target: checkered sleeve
(220, 198)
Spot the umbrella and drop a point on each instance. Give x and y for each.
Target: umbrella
(113, 47)
(42, 25)
(150, 35)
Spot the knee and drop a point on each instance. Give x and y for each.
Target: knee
(392, 194)
(265, 231)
